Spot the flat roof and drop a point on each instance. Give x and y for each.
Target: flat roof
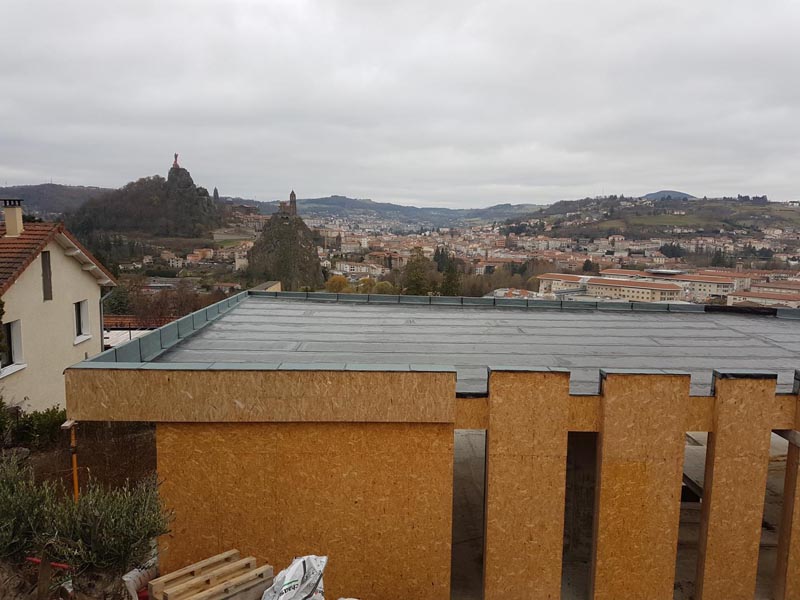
(286, 330)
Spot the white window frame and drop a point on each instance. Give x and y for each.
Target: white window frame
(15, 345)
(85, 332)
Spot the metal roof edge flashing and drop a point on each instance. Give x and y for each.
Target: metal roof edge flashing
(502, 302)
(516, 369)
(353, 298)
(718, 374)
(545, 304)
(511, 302)
(414, 299)
(262, 293)
(615, 371)
(744, 374)
(147, 347)
(578, 305)
(447, 300)
(686, 308)
(86, 364)
(285, 366)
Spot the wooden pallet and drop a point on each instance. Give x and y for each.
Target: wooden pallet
(225, 576)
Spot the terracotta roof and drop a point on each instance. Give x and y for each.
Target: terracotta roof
(632, 283)
(778, 285)
(700, 278)
(16, 253)
(768, 296)
(562, 276)
(682, 277)
(626, 272)
(746, 272)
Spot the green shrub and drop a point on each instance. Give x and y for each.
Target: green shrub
(107, 532)
(5, 424)
(39, 429)
(26, 508)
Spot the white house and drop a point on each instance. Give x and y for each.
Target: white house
(51, 287)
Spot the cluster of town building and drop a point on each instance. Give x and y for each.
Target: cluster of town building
(484, 249)
(359, 248)
(235, 255)
(750, 287)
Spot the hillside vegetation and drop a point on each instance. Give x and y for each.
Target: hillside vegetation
(287, 252)
(642, 217)
(154, 206)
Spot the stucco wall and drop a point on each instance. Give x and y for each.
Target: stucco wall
(48, 329)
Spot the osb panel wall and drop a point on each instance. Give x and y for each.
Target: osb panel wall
(525, 484)
(787, 572)
(472, 413)
(737, 460)
(642, 419)
(375, 498)
(259, 396)
(639, 487)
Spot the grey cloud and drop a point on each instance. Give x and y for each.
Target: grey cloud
(448, 103)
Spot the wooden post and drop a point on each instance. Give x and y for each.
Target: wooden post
(737, 460)
(525, 484)
(787, 573)
(73, 450)
(640, 468)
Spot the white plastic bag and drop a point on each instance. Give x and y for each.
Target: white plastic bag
(302, 580)
(137, 579)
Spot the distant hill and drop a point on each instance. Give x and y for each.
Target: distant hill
(668, 195)
(172, 207)
(342, 206)
(642, 217)
(51, 199)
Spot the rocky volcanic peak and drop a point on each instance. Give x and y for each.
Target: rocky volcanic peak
(286, 251)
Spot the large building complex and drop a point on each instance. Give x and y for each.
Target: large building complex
(696, 286)
(607, 287)
(754, 297)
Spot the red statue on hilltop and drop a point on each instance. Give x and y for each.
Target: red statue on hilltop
(175, 164)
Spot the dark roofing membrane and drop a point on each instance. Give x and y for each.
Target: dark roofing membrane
(275, 331)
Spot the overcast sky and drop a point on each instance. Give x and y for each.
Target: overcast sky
(432, 103)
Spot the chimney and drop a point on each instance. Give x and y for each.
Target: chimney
(12, 211)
